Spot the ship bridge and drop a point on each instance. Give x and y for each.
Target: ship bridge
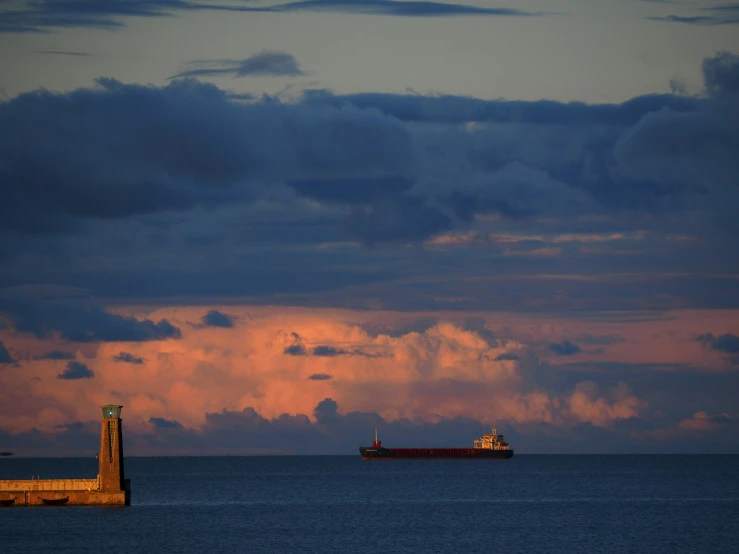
(492, 441)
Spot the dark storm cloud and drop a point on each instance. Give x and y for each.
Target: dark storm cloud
(320, 377)
(358, 190)
(174, 196)
(264, 63)
(56, 355)
(403, 218)
(76, 370)
(5, 357)
(162, 423)
(78, 320)
(564, 348)
(724, 343)
(128, 358)
(214, 318)
(507, 356)
(173, 148)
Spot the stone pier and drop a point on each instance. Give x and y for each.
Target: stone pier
(110, 488)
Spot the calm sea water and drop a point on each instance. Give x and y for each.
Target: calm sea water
(341, 504)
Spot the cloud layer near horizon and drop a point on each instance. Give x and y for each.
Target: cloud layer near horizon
(452, 371)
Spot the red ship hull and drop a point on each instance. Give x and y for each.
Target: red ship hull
(380, 453)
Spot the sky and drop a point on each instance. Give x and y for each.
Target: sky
(272, 227)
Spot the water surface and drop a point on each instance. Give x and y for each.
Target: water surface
(530, 503)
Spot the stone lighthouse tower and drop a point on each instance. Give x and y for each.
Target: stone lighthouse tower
(110, 468)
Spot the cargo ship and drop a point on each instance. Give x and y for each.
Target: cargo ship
(491, 446)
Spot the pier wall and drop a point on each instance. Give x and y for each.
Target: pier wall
(68, 492)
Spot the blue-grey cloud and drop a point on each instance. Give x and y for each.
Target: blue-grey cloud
(214, 318)
(265, 63)
(727, 342)
(462, 109)
(320, 377)
(327, 351)
(34, 16)
(181, 172)
(248, 432)
(507, 356)
(202, 153)
(720, 14)
(64, 53)
(76, 370)
(296, 350)
(396, 8)
(162, 423)
(78, 320)
(600, 340)
(5, 357)
(128, 358)
(56, 355)
(564, 348)
(42, 15)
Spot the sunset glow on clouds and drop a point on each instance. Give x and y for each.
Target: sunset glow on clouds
(521, 371)
(278, 240)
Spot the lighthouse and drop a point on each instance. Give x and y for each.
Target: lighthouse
(110, 458)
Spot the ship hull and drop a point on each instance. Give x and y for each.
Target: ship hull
(380, 453)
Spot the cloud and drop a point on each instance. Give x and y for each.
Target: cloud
(702, 422)
(295, 350)
(56, 355)
(444, 108)
(564, 348)
(395, 8)
(5, 357)
(319, 377)
(727, 342)
(63, 53)
(161, 423)
(34, 17)
(432, 373)
(214, 318)
(42, 15)
(325, 350)
(599, 340)
(265, 63)
(142, 175)
(78, 320)
(76, 370)
(382, 200)
(128, 358)
(722, 14)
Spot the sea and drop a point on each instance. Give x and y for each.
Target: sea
(301, 504)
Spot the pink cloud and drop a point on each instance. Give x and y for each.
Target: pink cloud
(447, 370)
